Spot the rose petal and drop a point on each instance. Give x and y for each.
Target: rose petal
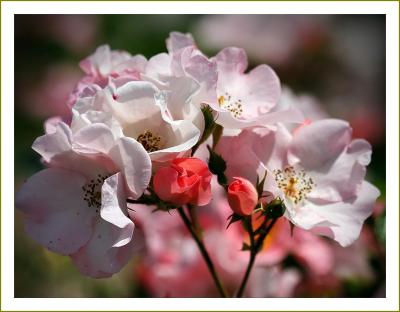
(98, 258)
(135, 164)
(319, 143)
(114, 208)
(57, 216)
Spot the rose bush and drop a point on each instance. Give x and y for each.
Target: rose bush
(148, 135)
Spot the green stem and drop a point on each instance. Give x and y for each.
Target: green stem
(254, 249)
(195, 221)
(203, 252)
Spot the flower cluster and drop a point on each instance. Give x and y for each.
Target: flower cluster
(149, 135)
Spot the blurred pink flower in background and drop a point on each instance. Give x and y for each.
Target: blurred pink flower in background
(48, 96)
(77, 33)
(266, 38)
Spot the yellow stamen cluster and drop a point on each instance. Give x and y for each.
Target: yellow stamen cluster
(150, 141)
(294, 184)
(92, 191)
(235, 107)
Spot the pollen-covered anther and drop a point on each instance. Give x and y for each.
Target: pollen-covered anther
(234, 106)
(92, 191)
(294, 184)
(150, 141)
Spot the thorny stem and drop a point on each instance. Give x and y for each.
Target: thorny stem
(204, 252)
(255, 247)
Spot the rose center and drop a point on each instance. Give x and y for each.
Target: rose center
(295, 184)
(92, 191)
(234, 106)
(150, 141)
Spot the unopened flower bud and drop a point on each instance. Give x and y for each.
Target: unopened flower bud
(242, 196)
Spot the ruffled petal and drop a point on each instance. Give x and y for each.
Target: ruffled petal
(265, 89)
(95, 137)
(54, 143)
(342, 179)
(57, 216)
(347, 217)
(177, 41)
(98, 258)
(159, 66)
(135, 164)
(320, 143)
(114, 208)
(231, 60)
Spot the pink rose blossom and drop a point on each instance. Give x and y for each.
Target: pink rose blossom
(255, 102)
(106, 66)
(318, 172)
(139, 110)
(77, 206)
(185, 181)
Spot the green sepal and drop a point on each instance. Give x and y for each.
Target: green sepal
(245, 247)
(233, 218)
(217, 166)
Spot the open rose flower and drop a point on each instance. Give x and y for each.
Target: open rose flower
(318, 172)
(142, 111)
(77, 206)
(105, 66)
(185, 181)
(241, 99)
(242, 196)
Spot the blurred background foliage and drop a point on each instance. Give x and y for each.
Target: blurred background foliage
(339, 59)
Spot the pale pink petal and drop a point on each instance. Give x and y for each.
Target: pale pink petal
(50, 125)
(135, 164)
(97, 63)
(98, 258)
(240, 158)
(179, 103)
(57, 151)
(94, 137)
(191, 62)
(114, 208)
(347, 217)
(184, 135)
(343, 179)
(135, 91)
(56, 142)
(56, 214)
(128, 64)
(158, 66)
(231, 60)
(319, 143)
(177, 41)
(265, 88)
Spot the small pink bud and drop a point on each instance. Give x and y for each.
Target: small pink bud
(242, 196)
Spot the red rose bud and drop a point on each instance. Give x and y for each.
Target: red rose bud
(242, 196)
(185, 181)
